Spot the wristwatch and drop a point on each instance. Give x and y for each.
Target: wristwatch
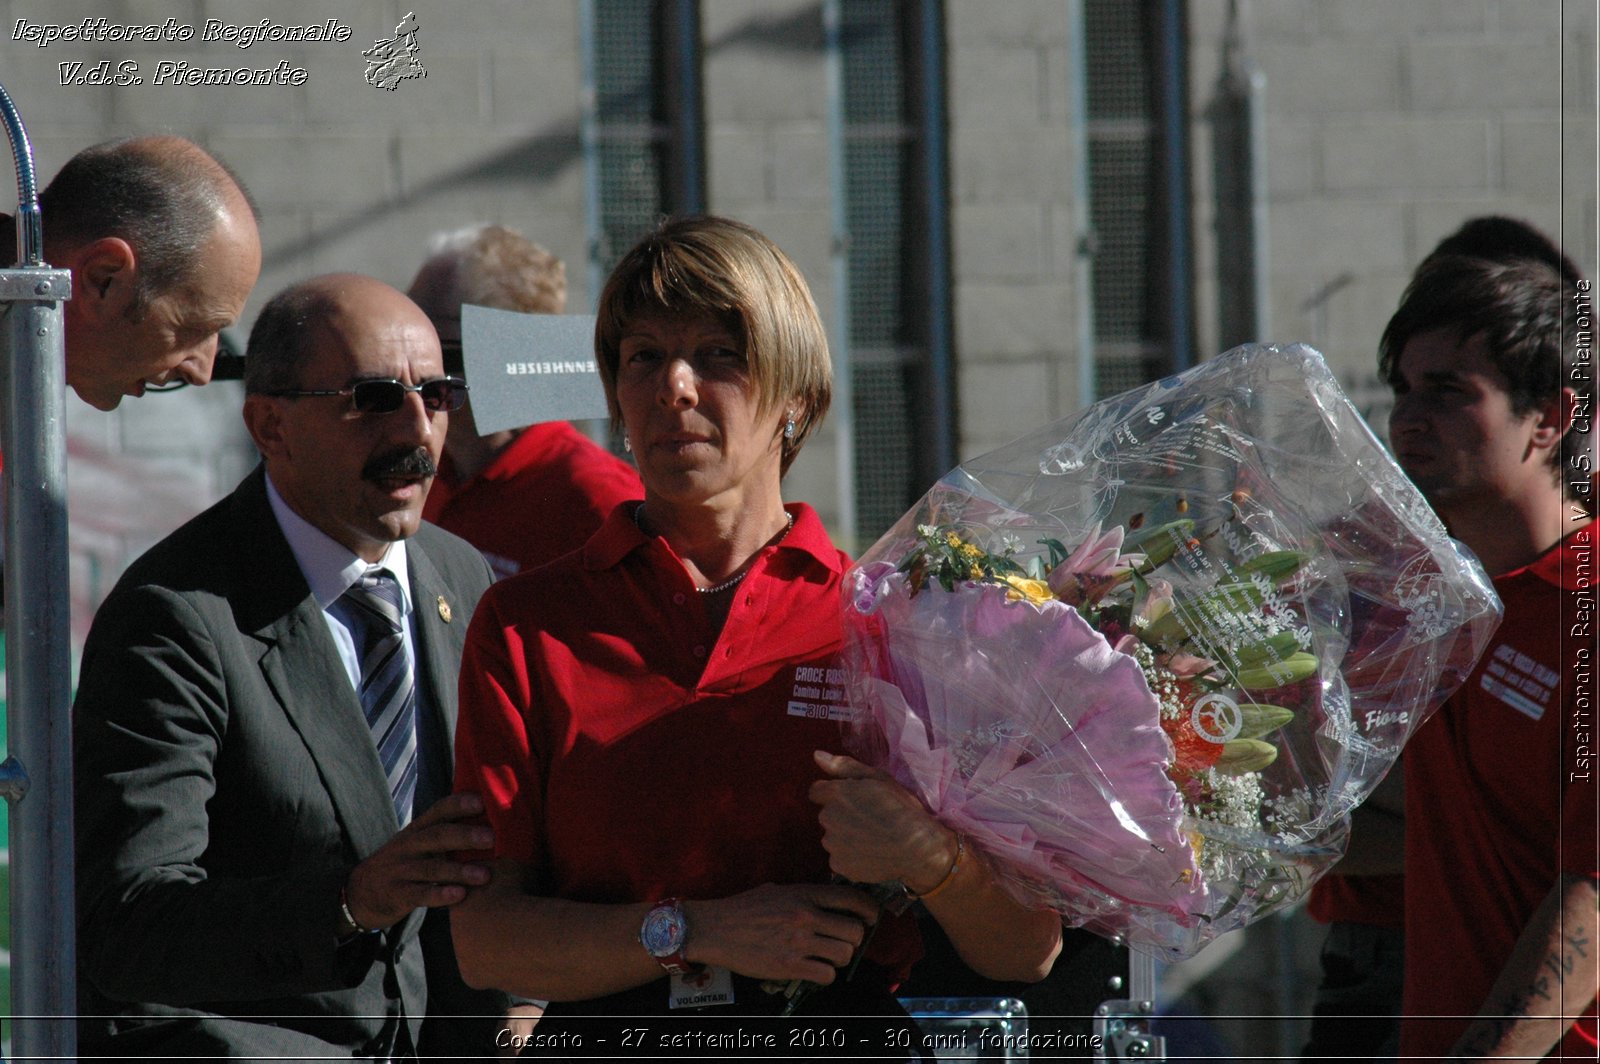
(664, 934)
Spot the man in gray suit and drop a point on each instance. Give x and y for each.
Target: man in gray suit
(266, 697)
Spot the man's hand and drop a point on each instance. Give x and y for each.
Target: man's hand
(416, 869)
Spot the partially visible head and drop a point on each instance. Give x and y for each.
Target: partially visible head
(1502, 239)
(162, 244)
(359, 477)
(1519, 318)
(717, 268)
(487, 266)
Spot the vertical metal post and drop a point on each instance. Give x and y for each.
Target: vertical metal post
(1172, 110)
(686, 154)
(1237, 115)
(37, 778)
(843, 408)
(589, 138)
(1082, 223)
(1257, 108)
(933, 126)
(1124, 1025)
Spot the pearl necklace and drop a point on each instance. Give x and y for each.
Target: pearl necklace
(732, 581)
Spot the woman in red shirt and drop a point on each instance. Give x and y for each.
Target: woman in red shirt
(653, 721)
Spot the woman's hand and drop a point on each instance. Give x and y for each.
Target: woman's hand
(875, 831)
(780, 933)
(561, 950)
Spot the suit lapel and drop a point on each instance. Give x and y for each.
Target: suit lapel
(440, 623)
(301, 666)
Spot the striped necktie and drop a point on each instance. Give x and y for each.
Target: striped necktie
(387, 689)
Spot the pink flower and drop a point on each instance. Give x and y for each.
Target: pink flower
(1185, 666)
(1157, 604)
(1090, 570)
(1033, 737)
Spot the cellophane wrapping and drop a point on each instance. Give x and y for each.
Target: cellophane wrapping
(1148, 659)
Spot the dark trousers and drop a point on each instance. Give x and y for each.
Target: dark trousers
(1357, 1011)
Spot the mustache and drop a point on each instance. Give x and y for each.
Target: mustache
(405, 462)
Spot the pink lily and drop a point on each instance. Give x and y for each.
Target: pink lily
(1185, 666)
(1090, 570)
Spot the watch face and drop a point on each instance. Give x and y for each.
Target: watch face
(663, 931)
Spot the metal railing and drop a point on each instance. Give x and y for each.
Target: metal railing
(36, 780)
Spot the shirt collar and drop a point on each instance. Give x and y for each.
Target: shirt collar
(1573, 558)
(619, 536)
(330, 568)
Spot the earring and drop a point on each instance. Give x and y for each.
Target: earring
(627, 444)
(788, 427)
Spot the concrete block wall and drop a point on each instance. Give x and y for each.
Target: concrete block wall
(1387, 125)
(1015, 226)
(347, 177)
(768, 159)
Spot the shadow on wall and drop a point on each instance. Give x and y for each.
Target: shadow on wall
(543, 156)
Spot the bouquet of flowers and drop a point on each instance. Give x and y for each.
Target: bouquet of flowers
(1148, 659)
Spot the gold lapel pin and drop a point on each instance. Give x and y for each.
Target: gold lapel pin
(444, 610)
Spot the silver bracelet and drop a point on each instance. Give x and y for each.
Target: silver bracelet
(350, 917)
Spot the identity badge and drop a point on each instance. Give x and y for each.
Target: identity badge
(705, 986)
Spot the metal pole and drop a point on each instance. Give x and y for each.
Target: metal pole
(37, 778)
(1172, 109)
(1082, 222)
(933, 123)
(1124, 1025)
(843, 408)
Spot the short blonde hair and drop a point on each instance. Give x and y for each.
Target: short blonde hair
(726, 270)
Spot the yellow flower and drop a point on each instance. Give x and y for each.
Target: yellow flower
(1036, 591)
(971, 550)
(952, 539)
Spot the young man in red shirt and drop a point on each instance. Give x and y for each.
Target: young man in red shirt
(1492, 374)
(1357, 1009)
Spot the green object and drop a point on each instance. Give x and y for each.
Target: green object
(5, 821)
(5, 856)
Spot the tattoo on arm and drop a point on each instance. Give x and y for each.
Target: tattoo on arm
(1487, 1033)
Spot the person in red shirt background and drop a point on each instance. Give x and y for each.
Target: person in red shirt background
(521, 496)
(1356, 1012)
(1492, 421)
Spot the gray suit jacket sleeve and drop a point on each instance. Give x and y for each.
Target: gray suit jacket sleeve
(153, 730)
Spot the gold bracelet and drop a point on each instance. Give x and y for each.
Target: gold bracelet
(949, 877)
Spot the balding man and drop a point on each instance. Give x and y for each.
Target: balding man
(161, 242)
(263, 727)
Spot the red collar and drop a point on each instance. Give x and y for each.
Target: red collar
(619, 536)
(1571, 563)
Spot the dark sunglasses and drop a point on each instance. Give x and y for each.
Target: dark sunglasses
(387, 396)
